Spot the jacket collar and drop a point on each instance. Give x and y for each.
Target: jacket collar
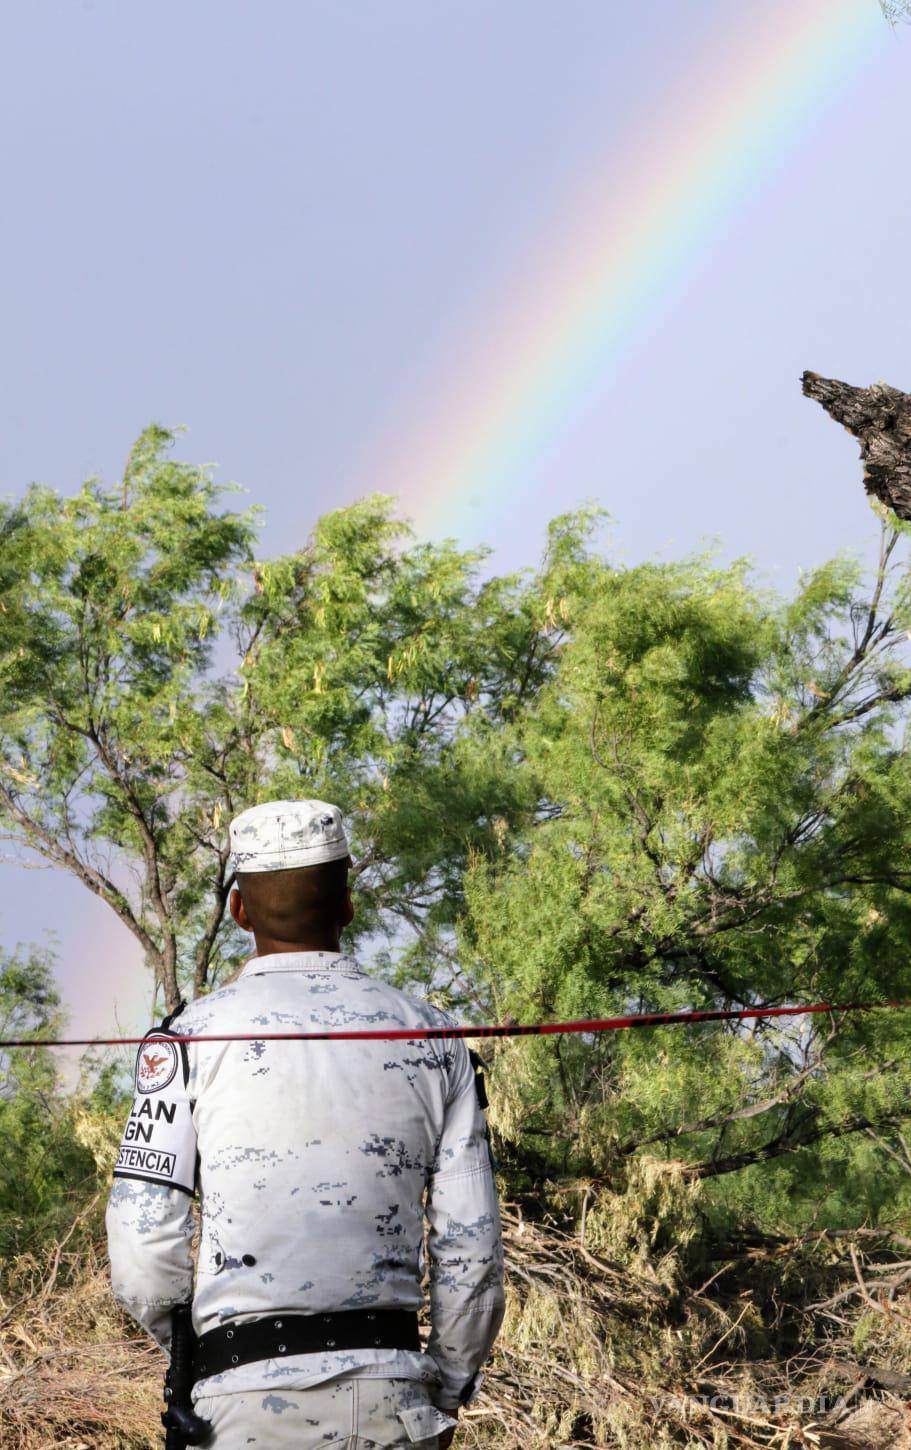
(299, 962)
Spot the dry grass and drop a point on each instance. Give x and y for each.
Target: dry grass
(594, 1352)
(591, 1355)
(72, 1373)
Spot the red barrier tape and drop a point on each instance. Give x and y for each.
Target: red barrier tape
(412, 1034)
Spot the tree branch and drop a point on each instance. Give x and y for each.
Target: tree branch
(41, 840)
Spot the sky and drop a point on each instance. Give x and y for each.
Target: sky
(496, 260)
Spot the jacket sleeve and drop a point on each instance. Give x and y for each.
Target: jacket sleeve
(464, 1243)
(149, 1217)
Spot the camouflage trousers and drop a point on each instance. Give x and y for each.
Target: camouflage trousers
(346, 1413)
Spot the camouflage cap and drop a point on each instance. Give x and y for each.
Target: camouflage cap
(281, 834)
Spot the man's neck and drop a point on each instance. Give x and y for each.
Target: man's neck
(267, 946)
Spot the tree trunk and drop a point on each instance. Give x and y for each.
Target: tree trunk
(880, 417)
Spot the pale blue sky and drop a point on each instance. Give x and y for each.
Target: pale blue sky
(280, 223)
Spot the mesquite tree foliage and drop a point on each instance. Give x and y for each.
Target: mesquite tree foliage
(42, 1162)
(157, 678)
(724, 794)
(575, 791)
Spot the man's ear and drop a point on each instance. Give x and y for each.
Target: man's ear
(238, 910)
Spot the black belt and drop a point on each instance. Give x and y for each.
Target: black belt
(277, 1336)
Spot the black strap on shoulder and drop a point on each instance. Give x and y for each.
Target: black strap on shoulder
(477, 1063)
(480, 1088)
(165, 1025)
(165, 1028)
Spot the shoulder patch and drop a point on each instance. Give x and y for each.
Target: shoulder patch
(159, 1140)
(156, 1066)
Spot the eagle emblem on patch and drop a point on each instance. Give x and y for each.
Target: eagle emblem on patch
(156, 1066)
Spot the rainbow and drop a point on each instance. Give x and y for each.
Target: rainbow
(633, 236)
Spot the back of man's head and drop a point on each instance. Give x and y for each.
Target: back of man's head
(296, 903)
(291, 863)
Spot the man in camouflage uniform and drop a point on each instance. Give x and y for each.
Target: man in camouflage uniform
(316, 1164)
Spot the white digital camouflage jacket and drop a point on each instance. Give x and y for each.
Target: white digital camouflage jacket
(311, 1161)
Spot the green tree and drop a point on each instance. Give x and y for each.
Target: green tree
(42, 1163)
(723, 819)
(580, 790)
(127, 740)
